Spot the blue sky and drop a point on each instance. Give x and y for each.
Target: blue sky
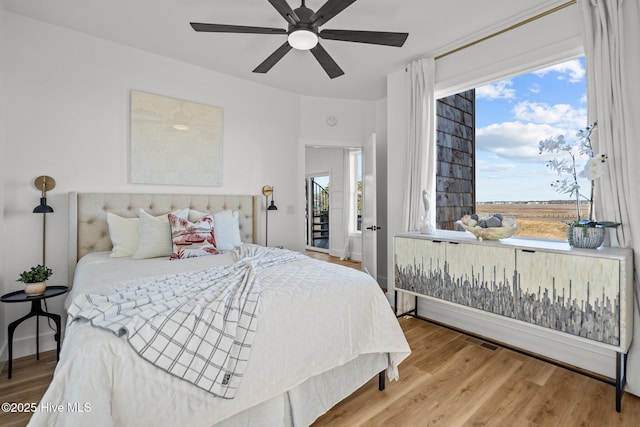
(512, 116)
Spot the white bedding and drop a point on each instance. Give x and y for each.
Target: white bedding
(314, 317)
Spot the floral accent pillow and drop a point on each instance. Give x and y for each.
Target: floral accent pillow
(192, 239)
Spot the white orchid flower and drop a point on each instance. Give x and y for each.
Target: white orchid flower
(594, 168)
(566, 166)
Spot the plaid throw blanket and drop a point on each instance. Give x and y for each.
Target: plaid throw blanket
(198, 325)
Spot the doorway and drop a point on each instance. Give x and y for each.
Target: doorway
(353, 229)
(317, 212)
(339, 171)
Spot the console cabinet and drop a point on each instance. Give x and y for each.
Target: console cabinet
(512, 289)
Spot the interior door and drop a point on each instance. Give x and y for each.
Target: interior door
(369, 224)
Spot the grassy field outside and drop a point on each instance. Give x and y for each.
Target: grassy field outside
(537, 219)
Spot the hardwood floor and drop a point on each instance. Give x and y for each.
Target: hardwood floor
(326, 257)
(30, 379)
(450, 379)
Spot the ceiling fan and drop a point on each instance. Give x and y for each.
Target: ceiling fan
(303, 33)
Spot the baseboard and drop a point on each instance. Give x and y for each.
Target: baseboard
(338, 254)
(382, 281)
(4, 356)
(334, 253)
(26, 346)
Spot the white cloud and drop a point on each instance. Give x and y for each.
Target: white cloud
(559, 114)
(498, 90)
(570, 69)
(496, 168)
(517, 141)
(535, 88)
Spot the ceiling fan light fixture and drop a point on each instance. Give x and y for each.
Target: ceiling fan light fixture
(303, 39)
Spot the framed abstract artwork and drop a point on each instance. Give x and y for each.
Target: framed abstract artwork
(174, 141)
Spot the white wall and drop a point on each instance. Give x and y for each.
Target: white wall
(381, 190)
(397, 114)
(3, 158)
(67, 115)
(355, 121)
(548, 40)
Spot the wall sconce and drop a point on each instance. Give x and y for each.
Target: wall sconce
(267, 191)
(44, 183)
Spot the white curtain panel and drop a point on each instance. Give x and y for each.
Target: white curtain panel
(612, 46)
(421, 154)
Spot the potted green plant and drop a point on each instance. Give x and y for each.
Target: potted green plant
(581, 233)
(35, 279)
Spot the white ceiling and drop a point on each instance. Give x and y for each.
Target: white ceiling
(162, 27)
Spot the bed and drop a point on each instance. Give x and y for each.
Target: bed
(320, 332)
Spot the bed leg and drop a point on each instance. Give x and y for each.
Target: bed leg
(381, 381)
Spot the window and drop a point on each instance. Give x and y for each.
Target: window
(510, 176)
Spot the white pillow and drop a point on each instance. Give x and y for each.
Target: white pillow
(155, 234)
(123, 233)
(226, 225)
(195, 215)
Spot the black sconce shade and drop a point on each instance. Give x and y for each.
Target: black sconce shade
(43, 207)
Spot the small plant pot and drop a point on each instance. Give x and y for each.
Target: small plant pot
(586, 237)
(35, 289)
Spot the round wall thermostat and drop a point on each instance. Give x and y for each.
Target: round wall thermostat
(332, 120)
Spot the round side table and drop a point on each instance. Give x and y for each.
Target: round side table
(36, 310)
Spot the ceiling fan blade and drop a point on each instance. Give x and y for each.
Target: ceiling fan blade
(221, 28)
(327, 62)
(276, 56)
(371, 37)
(328, 10)
(285, 10)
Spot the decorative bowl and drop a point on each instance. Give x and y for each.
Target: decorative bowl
(491, 233)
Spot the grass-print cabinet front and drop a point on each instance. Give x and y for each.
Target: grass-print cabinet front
(463, 274)
(576, 295)
(568, 292)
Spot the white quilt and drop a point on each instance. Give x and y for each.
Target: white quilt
(314, 317)
(197, 325)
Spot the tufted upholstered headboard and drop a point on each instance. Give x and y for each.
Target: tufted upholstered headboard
(89, 232)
